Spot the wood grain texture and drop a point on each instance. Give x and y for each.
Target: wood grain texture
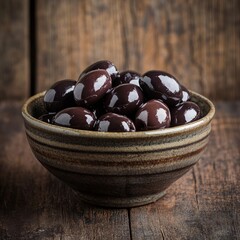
(73, 34)
(14, 43)
(34, 204)
(205, 203)
(197, 41)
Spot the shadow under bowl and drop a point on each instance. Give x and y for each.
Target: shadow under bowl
(117, 169)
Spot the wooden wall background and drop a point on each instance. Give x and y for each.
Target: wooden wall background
(44, 41)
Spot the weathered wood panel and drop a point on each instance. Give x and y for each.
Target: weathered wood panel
(14, 49)
(73, 34)
(205, 203)
(34, 204)
(197, 41)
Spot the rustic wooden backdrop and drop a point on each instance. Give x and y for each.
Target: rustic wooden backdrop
(44, 41)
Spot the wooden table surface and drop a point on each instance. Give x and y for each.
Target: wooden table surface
(203, 204)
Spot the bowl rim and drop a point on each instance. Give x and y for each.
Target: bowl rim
(140, 134)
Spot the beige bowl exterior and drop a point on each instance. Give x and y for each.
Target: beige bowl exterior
(117, 169)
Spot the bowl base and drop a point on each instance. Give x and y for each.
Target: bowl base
(120, 202)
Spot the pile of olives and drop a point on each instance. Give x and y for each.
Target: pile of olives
(106, 100)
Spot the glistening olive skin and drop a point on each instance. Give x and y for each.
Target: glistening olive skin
(112, 122)
(92, 87)
(148, 100)
(124, 99)
(75, 117)
(47, 117)
(185, 113)
(59, 95)
(152, 115)
(185, 94)
(128, 76)
(103, 64)
(162, 85)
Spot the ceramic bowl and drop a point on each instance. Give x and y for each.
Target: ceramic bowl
(117, 169)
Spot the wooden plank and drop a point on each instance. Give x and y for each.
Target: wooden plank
(72, 35)
(205, 203)
(34, 204)
(14, 44)
(197, 41)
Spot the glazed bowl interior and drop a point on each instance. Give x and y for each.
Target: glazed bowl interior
(34, 108)
(117, 169)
